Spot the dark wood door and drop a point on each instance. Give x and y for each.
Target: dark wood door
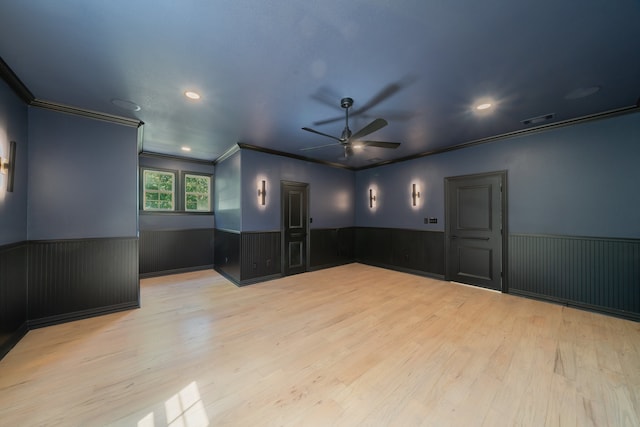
(295, 224)
(475, 219)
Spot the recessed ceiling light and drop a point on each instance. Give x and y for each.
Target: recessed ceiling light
(192, 95)
(185, 148)
(125, 105)
(484, 106)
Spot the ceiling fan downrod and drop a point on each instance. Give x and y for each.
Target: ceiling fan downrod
(346, 103)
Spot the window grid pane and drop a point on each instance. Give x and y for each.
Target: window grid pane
(197, 193)
(159, 190)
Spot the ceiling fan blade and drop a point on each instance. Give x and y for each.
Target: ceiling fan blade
(393, 115)
(385, 93)
(381, 144)
(320, 146)
(398, 115)
(327, 96)
(370, 128)
(323, 134)
(326, 121)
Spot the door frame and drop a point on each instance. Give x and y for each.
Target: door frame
(282, 231)
(505, 223)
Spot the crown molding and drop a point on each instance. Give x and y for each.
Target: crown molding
(152, 155)
(61, 108)
(522, 132)
(14, 82)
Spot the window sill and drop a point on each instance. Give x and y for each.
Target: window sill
(142, 212)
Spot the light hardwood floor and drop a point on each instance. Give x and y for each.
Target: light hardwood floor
(347, 346)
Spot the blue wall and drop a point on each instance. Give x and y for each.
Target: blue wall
(227, 194)
(81, 177)
(73, 183)
(13, 206)
(173, 221)
(578, 180)
(330, 191)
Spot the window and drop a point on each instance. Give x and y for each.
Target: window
(197, 192)
(170, 191)
(159, 190)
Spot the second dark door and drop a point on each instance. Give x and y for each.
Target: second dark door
(295, 223)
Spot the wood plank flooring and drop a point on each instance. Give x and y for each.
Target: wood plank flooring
(348, 346)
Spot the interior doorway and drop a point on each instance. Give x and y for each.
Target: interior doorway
(294, 227)
(475, 229)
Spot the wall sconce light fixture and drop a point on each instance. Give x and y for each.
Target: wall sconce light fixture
(7, 166)
(372, 198)
(262, 192)
(415, 195)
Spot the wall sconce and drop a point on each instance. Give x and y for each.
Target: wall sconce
(262, 192)
(7, 166)
(415, 195)
(372, 198)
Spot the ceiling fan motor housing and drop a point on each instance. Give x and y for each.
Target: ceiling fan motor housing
(346, 102)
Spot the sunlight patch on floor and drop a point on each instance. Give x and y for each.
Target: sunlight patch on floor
(147, 421)
(183, 409)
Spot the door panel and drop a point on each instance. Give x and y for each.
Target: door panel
(475, 215)
(295, 220)
(295, 255)
(474, 208)
(295, 209)
(475, 262)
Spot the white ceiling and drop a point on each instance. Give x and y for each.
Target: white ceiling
(267, 68)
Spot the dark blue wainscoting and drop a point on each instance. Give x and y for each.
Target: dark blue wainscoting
(255, 256)
(412, 251)
(13, 295)
(330, 247)
(594, 273)
(74, 279)
(226, 254)
(247, 257)
(250, 257)
(174, 251)
(260, 256)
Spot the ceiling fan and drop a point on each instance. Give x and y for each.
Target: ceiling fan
(349, 140)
